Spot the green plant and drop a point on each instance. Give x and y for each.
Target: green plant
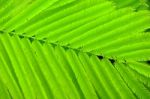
(74, 49)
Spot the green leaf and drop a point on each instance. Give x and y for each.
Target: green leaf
(74, 49)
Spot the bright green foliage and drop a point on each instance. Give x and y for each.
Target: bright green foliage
(74, 49)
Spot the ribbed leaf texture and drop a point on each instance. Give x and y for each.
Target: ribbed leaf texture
(74, 49)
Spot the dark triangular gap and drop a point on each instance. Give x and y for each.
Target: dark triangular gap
(31, 39)
(21, 36)
(1, 31)
(100, 57)
(12, 33)
(112, 61)
(147, 30)
(145, 62)
(43, 41)
(53, 45)
(148, 62)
